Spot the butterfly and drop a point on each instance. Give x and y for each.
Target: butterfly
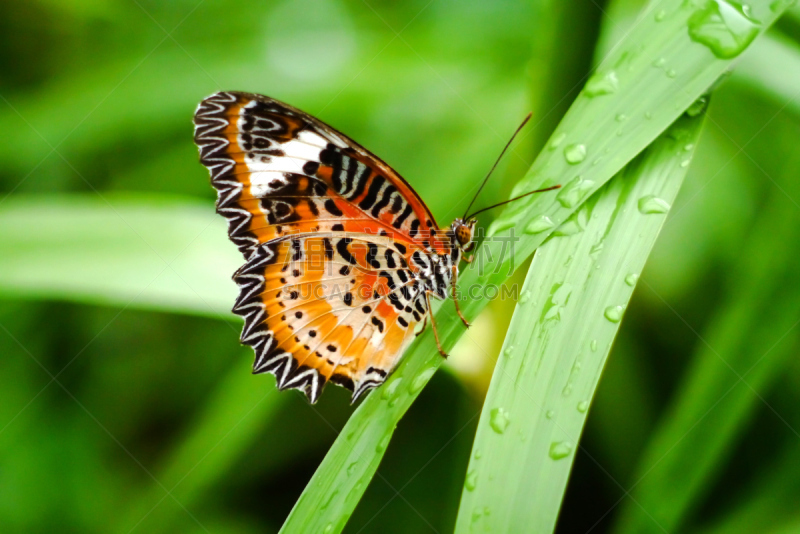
(341, 255)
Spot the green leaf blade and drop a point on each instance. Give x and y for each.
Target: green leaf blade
(573, 299)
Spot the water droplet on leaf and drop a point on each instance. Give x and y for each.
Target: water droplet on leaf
(574, 191)
(652, 204)
(697, 107)
(498, 420)
(471, 480)
(500, 225)
(583, 406)
(602, 84)
(557, 140)
(614, 313)
(381, 446)
(539, 224)
(560, 449)
(422, 379)
(390, 388)
(631, 279)
(726, 28)
(575, 153)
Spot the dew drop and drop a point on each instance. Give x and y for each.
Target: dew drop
(420, 381)
(477, 454)
(391, 388)
(381, 446)
(621, 117)
(569, 227)
(560, 449)
(583, 406)
(328, 528)
(593, 345)
(697, 107)
(539, 224)
(671, 73)
(648, 115)
(660, 15)
(574, 191)
(631, 279)
(557, 140)
(329, 500)
(725, 28)
(614, 313)
(602, 84)
(500, 225)
(499, 420)
(660, 62)
(652, 204)
(685, 163)
(574, 153)
(351, 468)
(550, 414)
(509, 352)
(471, 480)
(525, 297)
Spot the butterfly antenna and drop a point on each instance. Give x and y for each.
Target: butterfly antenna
(512, 200)
(524, 122)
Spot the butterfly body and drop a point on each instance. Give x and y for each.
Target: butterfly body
(341, 255)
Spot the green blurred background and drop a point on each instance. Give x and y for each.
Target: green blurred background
(126, 403)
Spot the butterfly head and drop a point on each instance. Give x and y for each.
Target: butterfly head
(464, 232)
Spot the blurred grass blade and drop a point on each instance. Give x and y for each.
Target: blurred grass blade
(747, 346)
(573, 299)
(772, 67)
(234, 416)
(604, 129)
(557, 78)
(144, 251)
(770, 501)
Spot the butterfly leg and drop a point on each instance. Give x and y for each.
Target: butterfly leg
(455, 298)
(433, 324)
(424, 325)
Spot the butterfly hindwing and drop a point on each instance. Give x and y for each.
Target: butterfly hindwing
(327, 308)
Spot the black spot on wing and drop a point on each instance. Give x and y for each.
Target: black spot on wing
(372, 253)
(332, 208)
(344, 252)
(377, 322)
(372, 193)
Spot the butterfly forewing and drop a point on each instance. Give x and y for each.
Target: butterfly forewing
(333, 239)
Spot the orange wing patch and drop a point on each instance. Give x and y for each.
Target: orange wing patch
(319, 309)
